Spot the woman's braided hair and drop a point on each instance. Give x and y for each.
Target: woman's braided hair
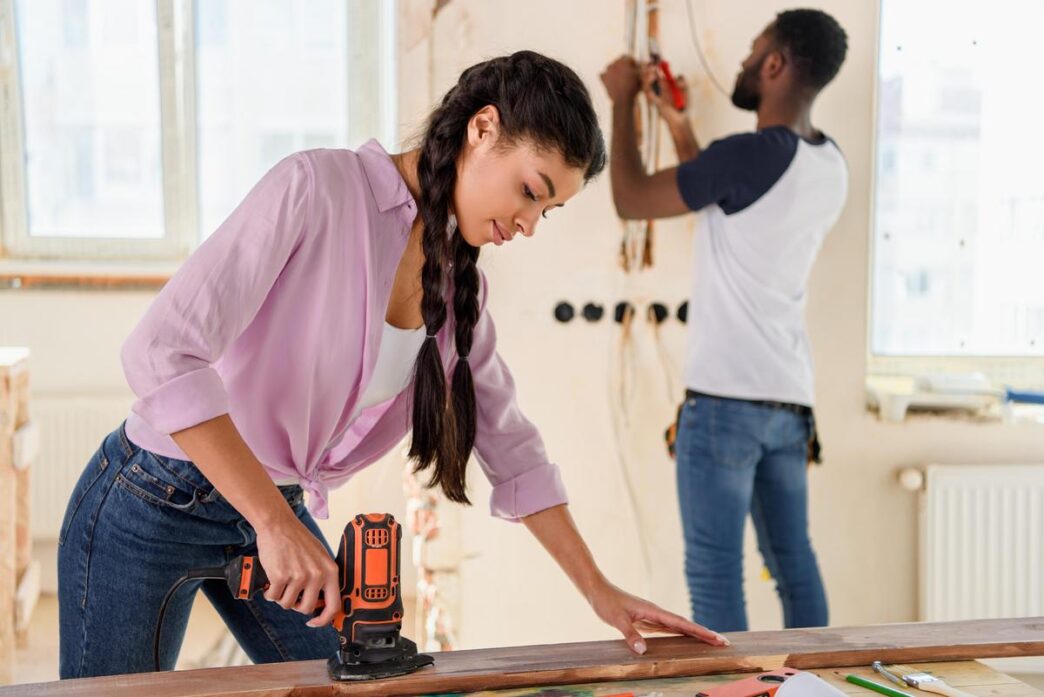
(544, 103)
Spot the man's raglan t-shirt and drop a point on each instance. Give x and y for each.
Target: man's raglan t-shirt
(768, 201)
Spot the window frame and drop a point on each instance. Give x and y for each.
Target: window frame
(371, 73)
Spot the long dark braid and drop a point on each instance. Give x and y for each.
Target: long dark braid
(539, 100)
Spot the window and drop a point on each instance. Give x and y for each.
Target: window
(131, 128)
(958, 233)
(272, 83)
(90, 99)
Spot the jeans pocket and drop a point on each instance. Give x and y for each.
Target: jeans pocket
(95, 468)
(145, 477)
(734, 434)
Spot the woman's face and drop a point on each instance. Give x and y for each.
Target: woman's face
(503, 191)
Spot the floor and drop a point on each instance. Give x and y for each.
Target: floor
(39, 662)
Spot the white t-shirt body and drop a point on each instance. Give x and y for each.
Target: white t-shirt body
(768, 200)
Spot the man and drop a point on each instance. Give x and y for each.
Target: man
(768, 199)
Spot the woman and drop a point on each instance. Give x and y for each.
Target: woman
(279, 360)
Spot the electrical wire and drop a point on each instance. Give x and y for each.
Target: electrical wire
(699, 51)
(670, 377)
(618, 420)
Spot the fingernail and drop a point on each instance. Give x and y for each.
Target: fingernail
(724, 641)
(639, 646)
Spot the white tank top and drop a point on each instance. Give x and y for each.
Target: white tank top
(391, 375)
(394, 369)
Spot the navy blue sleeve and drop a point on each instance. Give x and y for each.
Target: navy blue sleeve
(735, 172)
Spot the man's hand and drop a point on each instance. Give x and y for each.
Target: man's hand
(622, 80)
(663, 101)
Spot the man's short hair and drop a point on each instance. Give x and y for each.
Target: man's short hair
(814, 41)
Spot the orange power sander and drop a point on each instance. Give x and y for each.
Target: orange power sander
(369, 620)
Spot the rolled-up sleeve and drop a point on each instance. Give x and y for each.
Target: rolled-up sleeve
(212, 298)
(508, 446)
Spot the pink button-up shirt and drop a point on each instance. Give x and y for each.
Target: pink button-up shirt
(277, 319)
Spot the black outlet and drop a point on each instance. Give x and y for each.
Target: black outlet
(622, 310)
(592, 312)
(658, 313)
(564, 312)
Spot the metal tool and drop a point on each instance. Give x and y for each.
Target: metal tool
(918, 680)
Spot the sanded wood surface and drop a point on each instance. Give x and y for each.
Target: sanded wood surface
(971, 677)
(565, 664)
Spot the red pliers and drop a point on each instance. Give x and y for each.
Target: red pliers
(677, 96)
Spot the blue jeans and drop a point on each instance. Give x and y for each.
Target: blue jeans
(136, 523)
(735, 457)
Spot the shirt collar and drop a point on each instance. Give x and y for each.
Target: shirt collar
(389, 189)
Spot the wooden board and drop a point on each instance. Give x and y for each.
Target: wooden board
(27, 594)
(13, 410)
(82, 281)
(566, 664)
(24, 447)
(969, 676)
(8, 486)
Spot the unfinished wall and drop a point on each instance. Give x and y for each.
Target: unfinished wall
(863, 524)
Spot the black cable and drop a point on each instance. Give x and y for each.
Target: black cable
(215, 572)
(699, 50)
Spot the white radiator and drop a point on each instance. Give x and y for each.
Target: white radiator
(70, 429)
(982, 542)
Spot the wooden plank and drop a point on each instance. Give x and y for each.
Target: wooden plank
(565, 664)
(8, 485)
(12, 366)
(23, 448)
(26, 445)
(82, 281)
(26, 597)
(23, 540)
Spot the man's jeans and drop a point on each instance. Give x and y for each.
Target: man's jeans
(735, 457)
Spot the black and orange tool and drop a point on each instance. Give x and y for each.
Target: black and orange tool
(677, 96)
(369, 620)
(370, 623)
(245, 577)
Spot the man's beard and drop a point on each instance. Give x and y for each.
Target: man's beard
(745, 95)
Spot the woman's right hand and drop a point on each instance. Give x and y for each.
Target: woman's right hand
(298, 568)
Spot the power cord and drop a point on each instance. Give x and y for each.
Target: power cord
(699, 51)
(214, 572)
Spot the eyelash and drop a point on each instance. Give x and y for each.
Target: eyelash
(532, 197)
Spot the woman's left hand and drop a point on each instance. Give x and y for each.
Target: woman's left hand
(632, 616)
(557, 532)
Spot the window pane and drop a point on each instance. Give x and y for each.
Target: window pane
(959, 224)
(272, 80)
(90, 93)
